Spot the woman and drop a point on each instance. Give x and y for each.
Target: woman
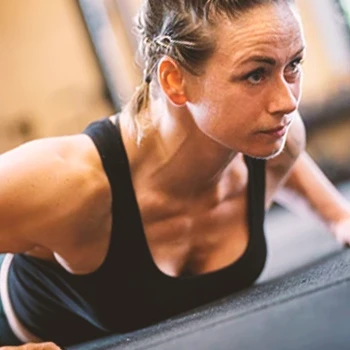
(160, 209)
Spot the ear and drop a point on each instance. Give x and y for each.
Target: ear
(172, 80)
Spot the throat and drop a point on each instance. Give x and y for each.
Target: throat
(180, 164)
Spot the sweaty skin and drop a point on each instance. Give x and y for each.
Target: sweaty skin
(188, 173)
(192, 157)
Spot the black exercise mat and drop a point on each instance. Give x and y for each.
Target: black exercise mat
(307, 309)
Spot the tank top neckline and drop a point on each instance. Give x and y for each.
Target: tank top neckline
(128, 181)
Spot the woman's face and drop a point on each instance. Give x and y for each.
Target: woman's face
(246, 97)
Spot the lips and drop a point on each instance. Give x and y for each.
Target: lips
(276, 132)
(275, 129)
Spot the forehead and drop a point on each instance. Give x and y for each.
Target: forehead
(273, 29)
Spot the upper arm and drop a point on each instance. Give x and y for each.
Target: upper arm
(42, 194)
(278, 168)
(25, 181)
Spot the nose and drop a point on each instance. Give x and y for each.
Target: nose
(284, 98)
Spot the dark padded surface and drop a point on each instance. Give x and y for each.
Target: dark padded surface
(312, 321)
(306, 309)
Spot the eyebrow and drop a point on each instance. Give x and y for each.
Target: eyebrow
(266, 59)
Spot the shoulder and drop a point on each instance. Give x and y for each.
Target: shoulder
(278, 168)
(48, 190)
(50, 163)
(46, 151)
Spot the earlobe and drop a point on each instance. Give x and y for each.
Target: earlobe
(172, 81)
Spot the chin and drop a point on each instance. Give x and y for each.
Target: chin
(268, 152)
(273, 155)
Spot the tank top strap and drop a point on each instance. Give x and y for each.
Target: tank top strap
(108, 141)
(256, 191)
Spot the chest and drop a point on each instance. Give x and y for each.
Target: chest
(195, 237)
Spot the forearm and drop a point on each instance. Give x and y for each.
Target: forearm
(308, 190)
(33, 346)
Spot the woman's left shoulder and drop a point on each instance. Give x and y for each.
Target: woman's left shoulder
(294, 146)
(278, 168)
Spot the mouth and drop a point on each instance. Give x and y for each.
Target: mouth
(276, 132)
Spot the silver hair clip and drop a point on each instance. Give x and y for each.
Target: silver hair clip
(164, 41)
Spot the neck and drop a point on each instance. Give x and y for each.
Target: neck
(175, 155)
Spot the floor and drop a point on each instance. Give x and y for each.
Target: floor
(302, 242)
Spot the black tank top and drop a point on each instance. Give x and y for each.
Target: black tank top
(128, 291)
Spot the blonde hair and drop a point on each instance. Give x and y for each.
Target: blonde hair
(182, 30)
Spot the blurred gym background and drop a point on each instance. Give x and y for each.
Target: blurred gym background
(64, 63)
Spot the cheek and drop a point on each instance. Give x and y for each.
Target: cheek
(298, 90)
(207, 110)
(221, 113)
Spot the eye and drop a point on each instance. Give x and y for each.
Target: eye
(256, 77)
(294, 68)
